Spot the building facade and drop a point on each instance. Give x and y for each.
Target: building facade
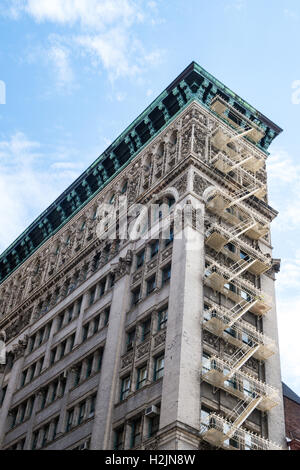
(138, 311)
(291, 403)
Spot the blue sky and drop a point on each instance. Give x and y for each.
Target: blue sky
(77, 72)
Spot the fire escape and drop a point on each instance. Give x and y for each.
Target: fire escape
(234, 236)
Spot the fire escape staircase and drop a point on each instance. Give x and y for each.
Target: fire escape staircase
(228, 374)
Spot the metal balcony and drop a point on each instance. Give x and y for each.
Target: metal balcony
(222, 433)
(222, 322)
(228, 160)
(239, 121)
(221, 205)
(227, 376)
(218, 236)
(225, 281)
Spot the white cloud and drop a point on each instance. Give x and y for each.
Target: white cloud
(281, 168)
(94, 14)
(236, 5)
(102, 30)
(60, 59)
(30, 179)
(290, 14)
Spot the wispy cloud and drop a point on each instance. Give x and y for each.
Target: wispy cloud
(60, 58)
(291, 14)
(101, 30)
(31, 177)
(237, 5)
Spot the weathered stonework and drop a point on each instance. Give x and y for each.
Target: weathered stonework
(78, 331)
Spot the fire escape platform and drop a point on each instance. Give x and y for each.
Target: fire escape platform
(217, 379)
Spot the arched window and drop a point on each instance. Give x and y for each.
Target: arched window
(161, 149)
(124, 188)
(173, 138)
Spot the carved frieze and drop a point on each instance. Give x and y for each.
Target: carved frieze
(200, 184)
(142, 349)
(127, 360)
(160, 338)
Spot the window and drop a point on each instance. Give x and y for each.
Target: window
(125, 388)
(31, 344)
(106, 315)
(45, 435)
(124, 189)
(54, 390)
(136, 295)
(230, 247)
(72, 340)
(231, 332)
(246, 339)
(112, 280)
(34, 440)
(245, 296)
(162, 319)
(142, 374)
(23, 378)
(63, 348)
(55, 426)
(99, 361)
(92, 406)
(22, 413)
(89, 367)
(231, 382)
(130, 339)
(118, 441)
(205, 418)
(136, 426)
(248, 389)
(153, 425)
(171, 236)
(85, 332)
(92, 295)
(154, 247)
(78, 306)
(44, 398)
(159, 367)
(52, 356)
(102, 287)
(81, 412)
(140, 258)
(244, 256)
(151, 284)
(206, 363)
(77, 375)
(230, 286)
(166, 274)
(96, 324)
(3, 393)
(146, 325)
(70, 314)
(69, 420)
(60, 320)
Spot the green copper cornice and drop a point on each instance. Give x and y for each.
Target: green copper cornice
(194, 83)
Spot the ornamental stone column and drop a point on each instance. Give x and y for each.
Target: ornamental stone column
(102, 429)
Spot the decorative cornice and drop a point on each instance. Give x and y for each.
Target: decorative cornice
(193, 84)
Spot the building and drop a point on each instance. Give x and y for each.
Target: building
(138, 310)
(291, 403)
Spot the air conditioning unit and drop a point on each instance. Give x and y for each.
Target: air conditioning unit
(151, 411)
